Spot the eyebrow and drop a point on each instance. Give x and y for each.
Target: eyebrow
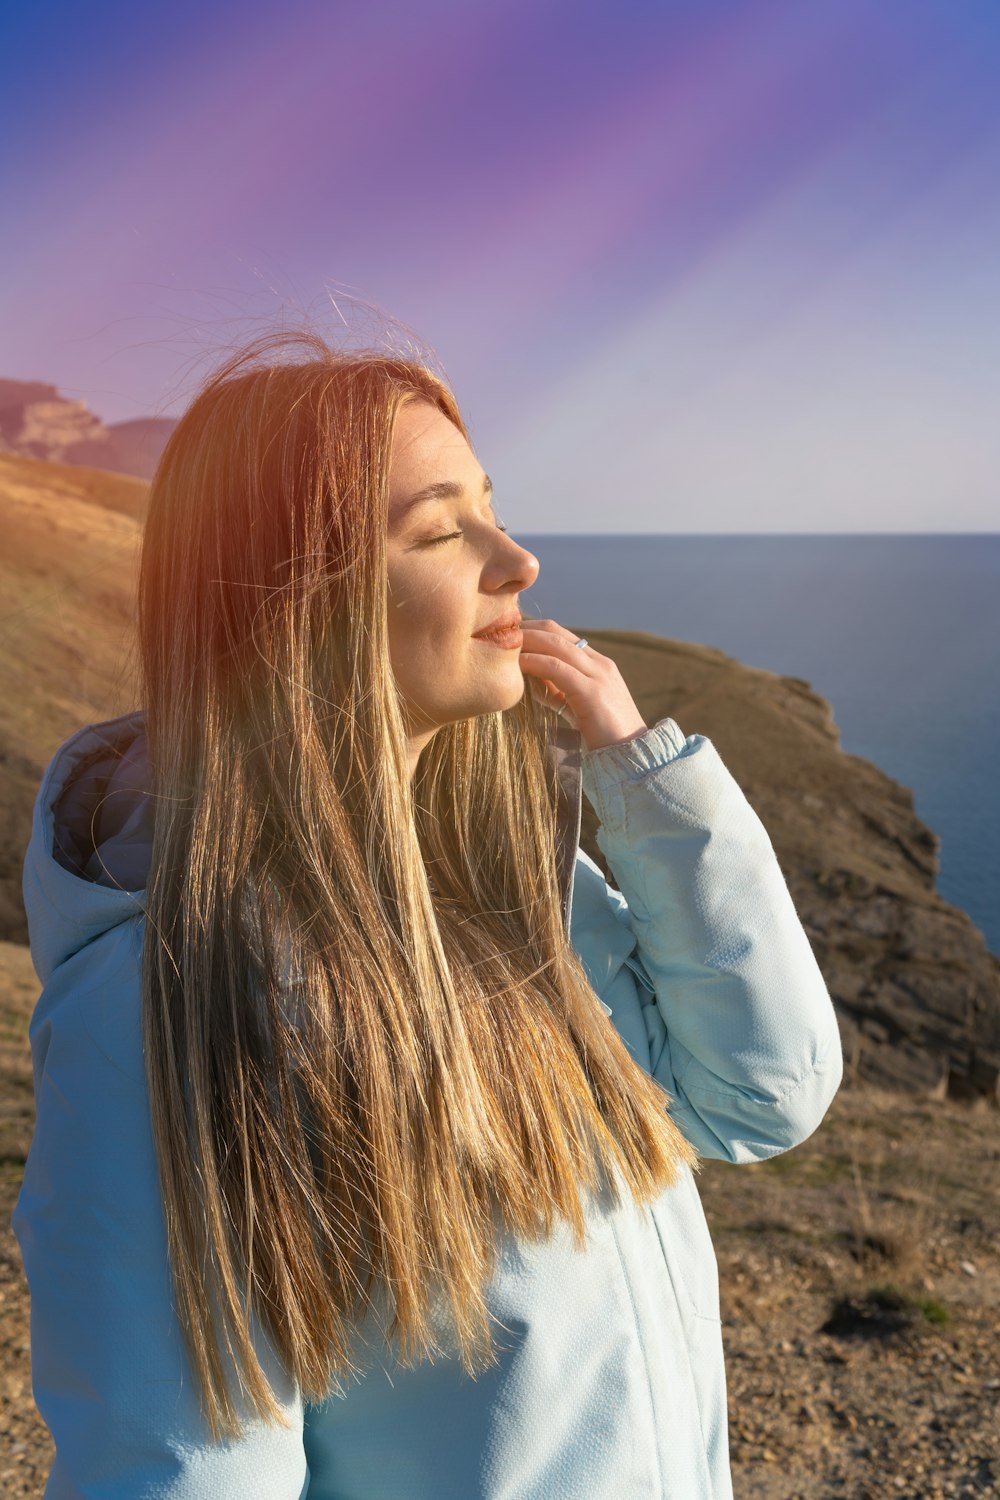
(445, 489)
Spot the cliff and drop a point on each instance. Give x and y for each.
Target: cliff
(36, 422)
(916, 990)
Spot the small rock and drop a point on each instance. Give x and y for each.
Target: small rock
(967, 1267)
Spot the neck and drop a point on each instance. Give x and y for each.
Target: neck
(416, 743)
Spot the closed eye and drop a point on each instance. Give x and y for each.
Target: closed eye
(451, 535)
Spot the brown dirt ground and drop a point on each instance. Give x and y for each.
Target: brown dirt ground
(891, 1209)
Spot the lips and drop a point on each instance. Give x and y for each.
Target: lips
(504, 623)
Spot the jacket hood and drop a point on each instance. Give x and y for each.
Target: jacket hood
(88, 859)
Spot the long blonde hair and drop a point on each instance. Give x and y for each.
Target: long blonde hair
(356, 1081)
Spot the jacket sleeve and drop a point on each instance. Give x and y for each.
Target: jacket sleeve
(109, 1371)
(741, 1029)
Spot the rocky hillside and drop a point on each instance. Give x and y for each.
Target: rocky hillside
(917, 992)
(66, 580)
(37, 422)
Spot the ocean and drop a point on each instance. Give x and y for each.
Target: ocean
(900, 633)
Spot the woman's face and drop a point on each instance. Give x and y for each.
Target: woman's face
(453, 572)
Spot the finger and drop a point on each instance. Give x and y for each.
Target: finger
(537, 642)
(545, 692)
(540, 662)
(565, 675)
(549, 696)
(550, 629)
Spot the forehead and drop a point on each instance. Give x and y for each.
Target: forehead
(427, 449)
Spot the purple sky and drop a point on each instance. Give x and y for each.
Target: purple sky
(722, 266)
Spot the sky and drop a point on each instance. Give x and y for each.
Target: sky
(711, 266)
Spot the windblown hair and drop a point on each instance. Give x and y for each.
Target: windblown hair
(370, 1046)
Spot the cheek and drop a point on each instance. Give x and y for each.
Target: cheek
(428, 606)
(435, 613)
(428, 624)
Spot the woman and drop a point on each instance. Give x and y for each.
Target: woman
(366, 1109)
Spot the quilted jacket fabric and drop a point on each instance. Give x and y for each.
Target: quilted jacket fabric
(611, 1382)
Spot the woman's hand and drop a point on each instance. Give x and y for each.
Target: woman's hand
(579, 682)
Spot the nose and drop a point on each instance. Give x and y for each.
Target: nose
(514, 564)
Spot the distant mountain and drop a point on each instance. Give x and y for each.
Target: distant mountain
(39, 423)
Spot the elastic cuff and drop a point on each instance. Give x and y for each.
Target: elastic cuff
(608, 772)
(656, 746)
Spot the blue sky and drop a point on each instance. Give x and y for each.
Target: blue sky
(721, 266)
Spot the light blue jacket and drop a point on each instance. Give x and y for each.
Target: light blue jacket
(611, 1384)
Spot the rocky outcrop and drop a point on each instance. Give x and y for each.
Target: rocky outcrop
(37, 422)
(916, 990)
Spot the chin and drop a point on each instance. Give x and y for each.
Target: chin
(495, 697)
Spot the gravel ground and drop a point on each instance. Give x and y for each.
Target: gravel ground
(860, 1284)
(860, 1280)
